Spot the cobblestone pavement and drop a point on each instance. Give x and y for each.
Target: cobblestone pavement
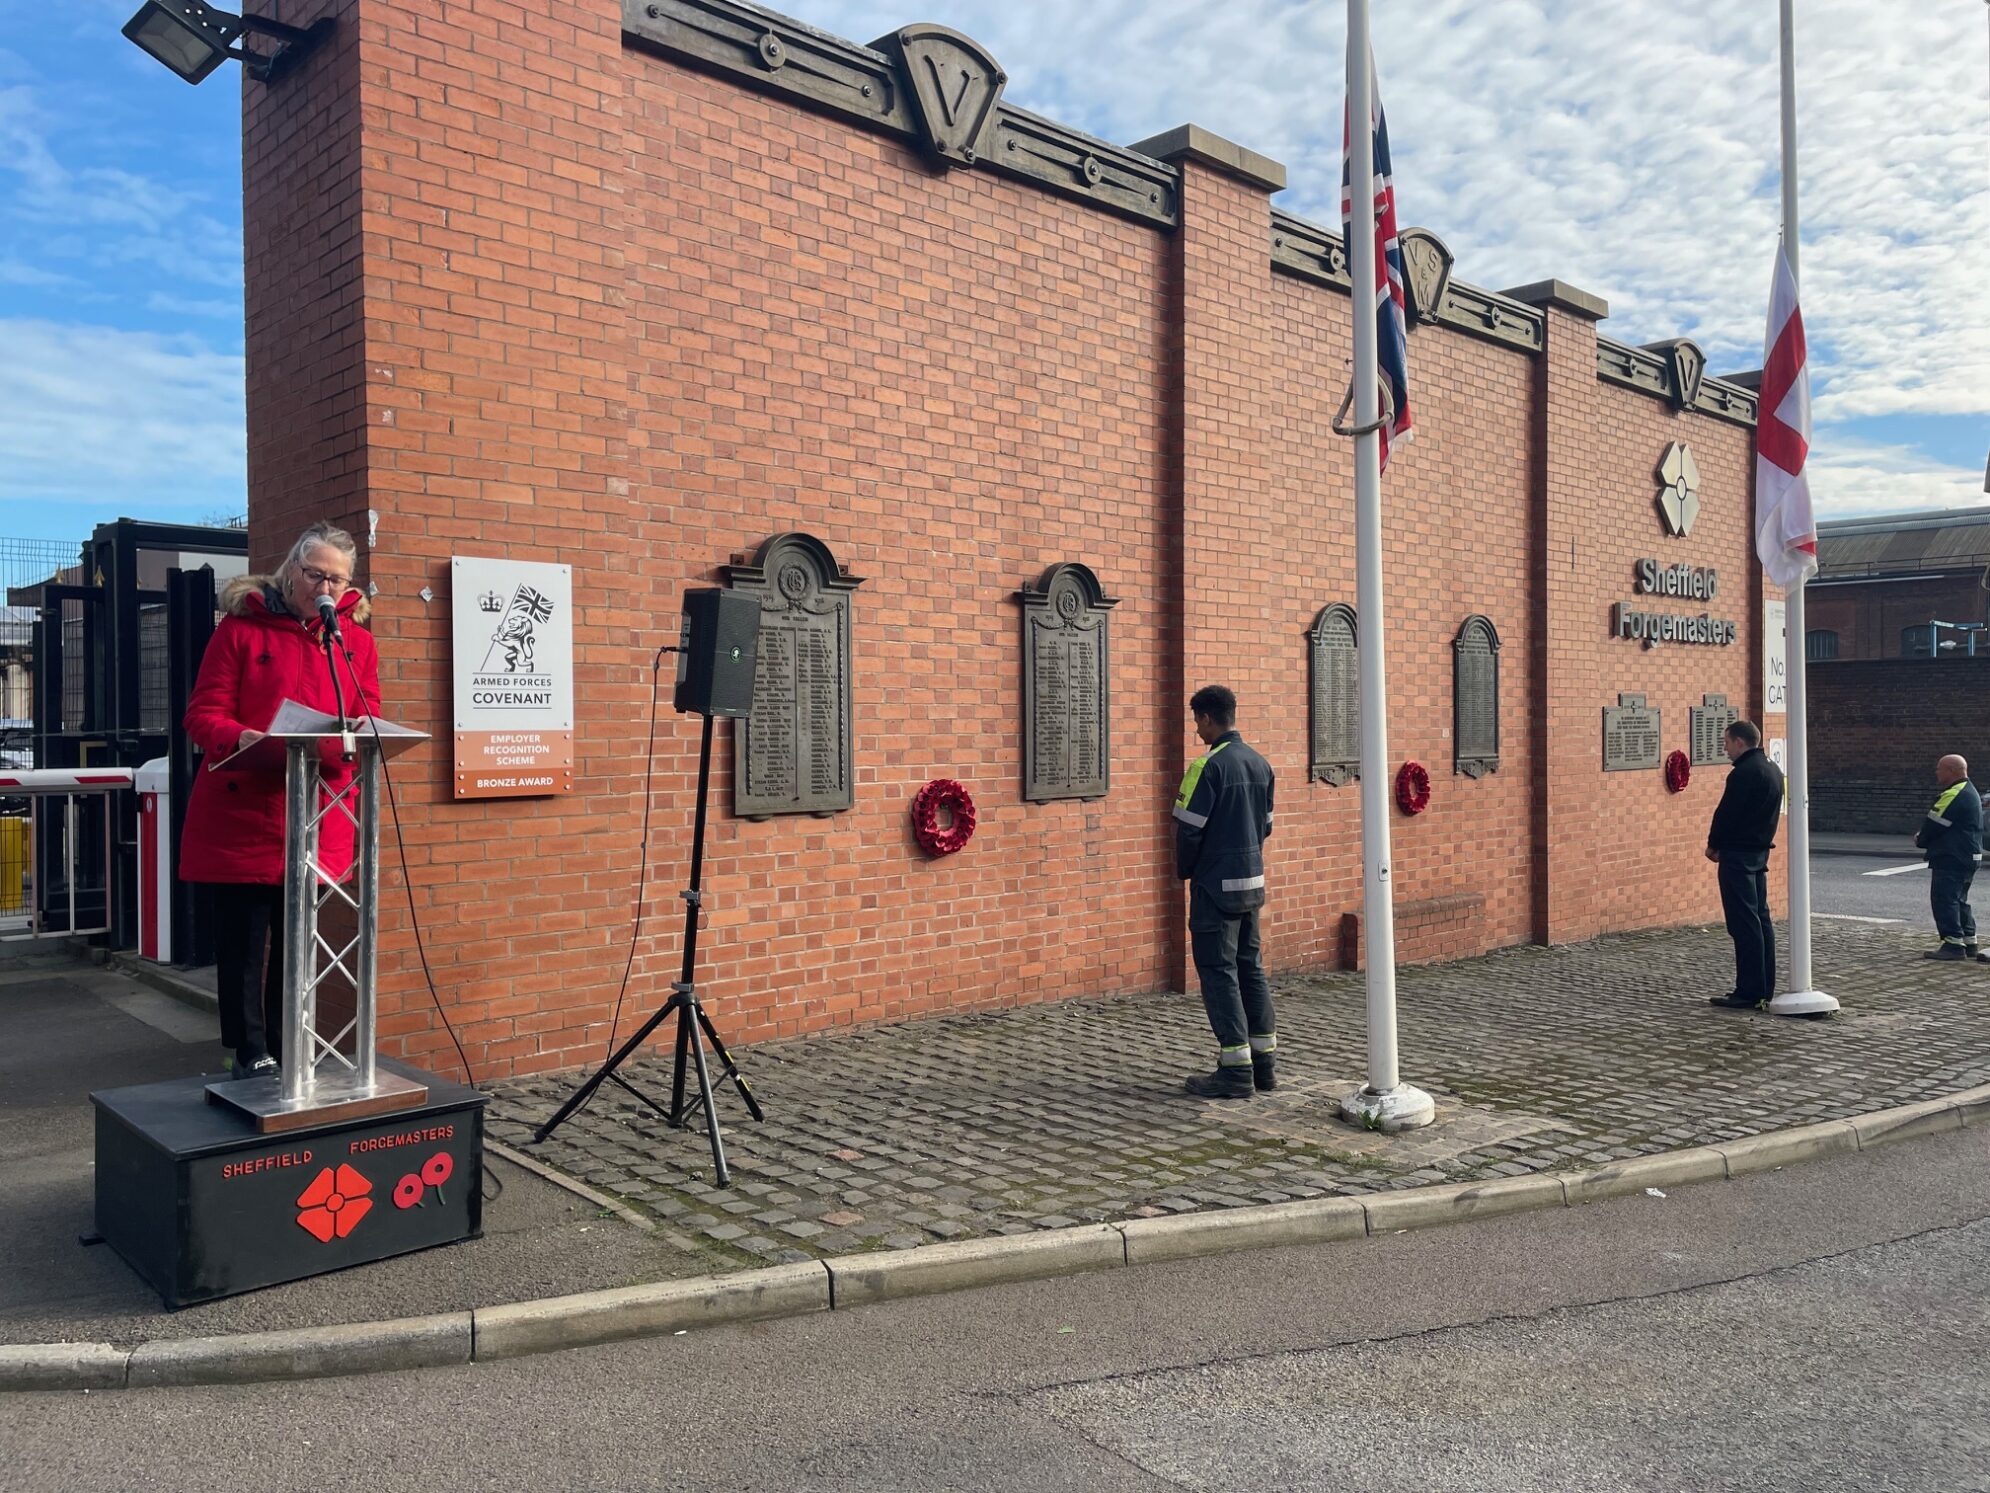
(1541, 1059)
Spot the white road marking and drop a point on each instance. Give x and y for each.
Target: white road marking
(1896, 870)
(1843, 917)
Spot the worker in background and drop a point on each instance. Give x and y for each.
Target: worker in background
(1952, 839)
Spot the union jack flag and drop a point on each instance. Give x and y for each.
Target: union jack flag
(532, 604)
(1391, 313)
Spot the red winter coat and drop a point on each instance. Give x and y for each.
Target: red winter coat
(256, 660)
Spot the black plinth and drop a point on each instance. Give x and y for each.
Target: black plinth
(202, 1204)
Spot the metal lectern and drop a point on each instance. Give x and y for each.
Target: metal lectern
(321, 1080)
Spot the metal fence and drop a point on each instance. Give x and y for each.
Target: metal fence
(29, 562)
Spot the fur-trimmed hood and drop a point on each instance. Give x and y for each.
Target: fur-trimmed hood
(243, 597)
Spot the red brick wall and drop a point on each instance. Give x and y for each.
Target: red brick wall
(954, 383)
(302, 277)
(498, 362)
(631, 317)
(1650, 866)
(1458, 536)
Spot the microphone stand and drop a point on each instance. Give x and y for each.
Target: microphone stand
(348, 748)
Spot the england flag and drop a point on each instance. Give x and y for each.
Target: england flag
(1785, 530)
(1391, 318)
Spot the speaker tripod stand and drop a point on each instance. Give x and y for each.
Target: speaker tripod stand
(694, 1026)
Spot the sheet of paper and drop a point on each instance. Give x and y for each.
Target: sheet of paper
(293, 719)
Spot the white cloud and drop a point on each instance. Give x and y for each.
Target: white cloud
(16, 272)
(108, 215)
(114, 419)
(169, 304)
(1631, 149)
(1850, 478)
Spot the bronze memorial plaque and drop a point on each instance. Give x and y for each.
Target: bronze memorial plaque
(1067, 693)
(1475, 698)
(1710, 722)
(1631, 736)
(791, 755)
(1336, 704)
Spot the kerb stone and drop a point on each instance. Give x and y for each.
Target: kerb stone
(1187, 1235)
(644, 1311)
(862, 1279)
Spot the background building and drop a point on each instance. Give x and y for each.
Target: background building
(1912, 586)
(1914, 590)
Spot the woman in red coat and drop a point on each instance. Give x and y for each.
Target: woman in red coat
(268, 649)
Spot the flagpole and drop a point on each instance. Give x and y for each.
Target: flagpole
(1385, 1102)
(1803, 998)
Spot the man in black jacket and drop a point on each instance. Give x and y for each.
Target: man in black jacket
(1222, 819)
(1740, 838)
(1952, 837)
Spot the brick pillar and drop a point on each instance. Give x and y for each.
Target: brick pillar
(437, 320)
(1575, 538)
(1227, 512)
(303, 342)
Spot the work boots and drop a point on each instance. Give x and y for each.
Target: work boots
(1227, 1082)
(1264, 1071)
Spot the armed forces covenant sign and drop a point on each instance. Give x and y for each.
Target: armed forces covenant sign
(513, 655)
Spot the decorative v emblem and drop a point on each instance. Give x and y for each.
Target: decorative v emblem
(950, 105)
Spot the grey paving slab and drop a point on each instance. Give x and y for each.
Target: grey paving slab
(1566, 1059)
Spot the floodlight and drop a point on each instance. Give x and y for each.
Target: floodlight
(194, 39)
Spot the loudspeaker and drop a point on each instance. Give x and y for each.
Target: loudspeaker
(716, 649)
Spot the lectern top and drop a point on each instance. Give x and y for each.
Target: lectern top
(294, 722)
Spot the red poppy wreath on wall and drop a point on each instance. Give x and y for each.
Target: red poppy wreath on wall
(1412, 788)
(1678, 772)
(942, 817)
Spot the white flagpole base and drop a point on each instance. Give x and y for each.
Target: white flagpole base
(1405, 1107)
(1802, 1003)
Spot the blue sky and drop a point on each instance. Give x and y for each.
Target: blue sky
(1638, 162)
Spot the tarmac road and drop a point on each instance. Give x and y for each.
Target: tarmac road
(1823, 1327)
(1871, 887)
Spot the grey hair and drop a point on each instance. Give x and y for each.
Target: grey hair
(323, 535)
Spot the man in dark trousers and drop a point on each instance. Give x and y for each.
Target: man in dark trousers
(1222, 819)
(1952, 837)
(1740, 839)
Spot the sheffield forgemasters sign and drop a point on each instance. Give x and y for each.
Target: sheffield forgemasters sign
(1687, 582)
(513, 653)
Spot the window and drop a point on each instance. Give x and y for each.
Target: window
(1820, 643)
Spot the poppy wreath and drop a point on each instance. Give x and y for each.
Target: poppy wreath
(1412, 788)
(1678, 772)
(942, 793)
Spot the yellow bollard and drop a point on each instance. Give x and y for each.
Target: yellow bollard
(13, 864)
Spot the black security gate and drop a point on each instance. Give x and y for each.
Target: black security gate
(117, 648)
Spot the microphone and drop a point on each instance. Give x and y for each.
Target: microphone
(328, 613)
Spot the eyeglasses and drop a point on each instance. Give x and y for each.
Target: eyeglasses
(325, 578)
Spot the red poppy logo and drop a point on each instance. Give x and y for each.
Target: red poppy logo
(434, 1172)
(333, 1204)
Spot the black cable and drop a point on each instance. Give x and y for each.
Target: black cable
(408, 888)
(643, 862)
(642, 867)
